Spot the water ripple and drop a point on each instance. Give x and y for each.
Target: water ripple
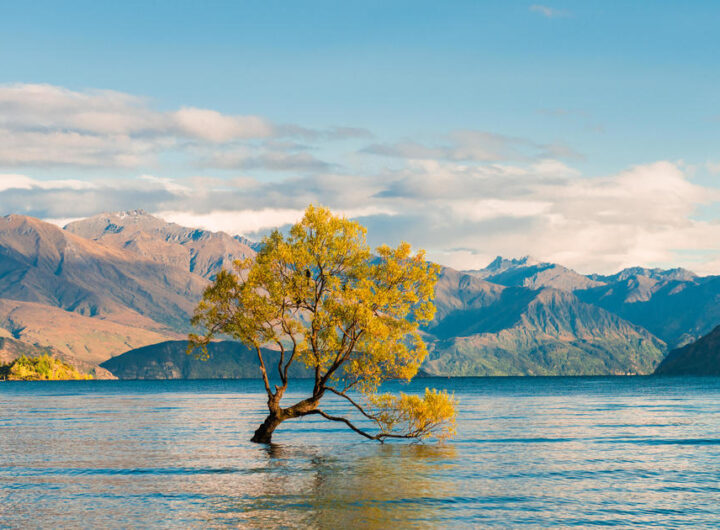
(583, 452)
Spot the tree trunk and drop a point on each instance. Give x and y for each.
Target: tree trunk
(263, 434)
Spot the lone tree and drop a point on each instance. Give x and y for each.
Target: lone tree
(321, 298)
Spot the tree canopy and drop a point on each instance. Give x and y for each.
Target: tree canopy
(321, 297)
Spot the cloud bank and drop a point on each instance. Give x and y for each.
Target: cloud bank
(464, 216)
(50, 126)
(466, 197)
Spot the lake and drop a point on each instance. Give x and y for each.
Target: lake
(595, 451)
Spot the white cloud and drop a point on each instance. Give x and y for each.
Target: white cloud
(552, 168)
(62, 221)
(463, 215)
(465, 145)
(48, 126)
(215, 127)
(167, 184)
(484, 209)
(240, 222)
(22, 182)
(467, 198)
(245, 222)
(268, 160)
(642, 216)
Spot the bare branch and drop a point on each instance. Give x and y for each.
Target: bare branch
(281, 361)
(344, 420)
(292, 356)
(380, 437)
(264, 372)
(354, 403)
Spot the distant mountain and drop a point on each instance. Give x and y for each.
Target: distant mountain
(42, 263)
(485, 329)
(699, 358)
(678, 274)
(676, 306)
(85, 299)
(197, 251)
(528, 272)
(117, 282)
(500, 264)
(169, 360)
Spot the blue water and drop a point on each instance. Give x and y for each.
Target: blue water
(529, 452)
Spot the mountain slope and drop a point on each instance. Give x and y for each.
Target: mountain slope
(194, 250)
(74, 336)
(521, 331)
(11, 349)
(41, 263)
(699, 358)
(677, 307)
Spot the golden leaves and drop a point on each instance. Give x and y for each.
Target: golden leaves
(417, 417)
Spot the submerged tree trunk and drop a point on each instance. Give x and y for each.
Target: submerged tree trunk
(263, 434)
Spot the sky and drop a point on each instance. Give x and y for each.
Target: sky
(582, 133)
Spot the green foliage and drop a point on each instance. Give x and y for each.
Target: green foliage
(42, 368)
(322, 298)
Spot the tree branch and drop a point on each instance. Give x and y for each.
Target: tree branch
(264, 372)
(380, 437)
(281, 361)
(292, 355)
(338, 361)
(344, 420)
(355, 404)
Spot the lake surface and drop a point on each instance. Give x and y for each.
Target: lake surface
(529, 452)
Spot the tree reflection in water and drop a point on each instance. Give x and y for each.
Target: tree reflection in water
(357, 486)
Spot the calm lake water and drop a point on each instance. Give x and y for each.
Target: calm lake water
(529, 452)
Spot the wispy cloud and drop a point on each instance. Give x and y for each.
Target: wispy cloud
(713, 167)
(267, 160)
(470, 145)
(467, 196)
(50, 126)
(10, 181)
(549, 12)
(578, 115)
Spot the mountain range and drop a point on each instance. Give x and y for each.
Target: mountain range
(116, 282)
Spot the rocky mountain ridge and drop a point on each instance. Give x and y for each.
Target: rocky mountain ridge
(120, 281)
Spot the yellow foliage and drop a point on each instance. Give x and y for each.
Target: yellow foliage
(42, 368)
(416, 416)
(323, 298)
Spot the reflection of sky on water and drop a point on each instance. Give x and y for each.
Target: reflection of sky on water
(537, 451)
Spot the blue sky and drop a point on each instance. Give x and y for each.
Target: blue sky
(506, 102)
